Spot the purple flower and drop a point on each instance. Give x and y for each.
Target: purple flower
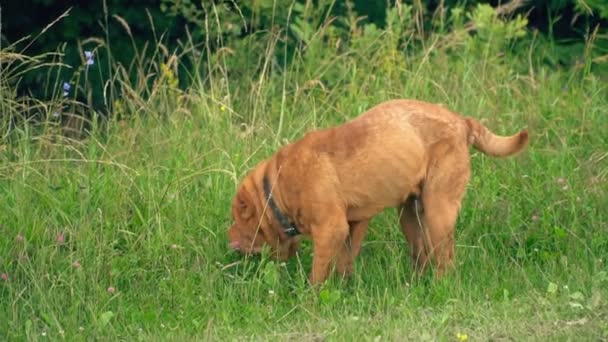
(89, 58)
(66, 89)
(4, 277)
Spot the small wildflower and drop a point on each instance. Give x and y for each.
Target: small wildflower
(222, 108)
(162, 325)
(565, 187)
(111, 290)
(60, 239)
(76, 264)
(66, 89)
(4, 277)
(462, 337)
(561, 180)
(89, 58)
(81, 328)
(174, 246)
(271, 292)
(43, 333)
(19, 237)
(56, 114)
(535, 217)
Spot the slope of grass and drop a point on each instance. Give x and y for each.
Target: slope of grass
(121, 235)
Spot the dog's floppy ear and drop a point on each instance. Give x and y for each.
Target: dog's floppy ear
(243, 204)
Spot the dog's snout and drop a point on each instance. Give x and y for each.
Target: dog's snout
(235, 245)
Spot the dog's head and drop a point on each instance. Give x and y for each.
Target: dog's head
(253, 226)
(247, 234)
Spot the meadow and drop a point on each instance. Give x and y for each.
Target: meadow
(118, 231)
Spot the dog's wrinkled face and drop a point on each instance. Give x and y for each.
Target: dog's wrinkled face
(246, 233)
(251, 229)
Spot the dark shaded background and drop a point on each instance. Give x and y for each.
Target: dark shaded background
(561, 19)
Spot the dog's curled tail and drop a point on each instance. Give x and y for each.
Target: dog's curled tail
(489, 143)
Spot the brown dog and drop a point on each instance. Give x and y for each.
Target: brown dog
(403, 153)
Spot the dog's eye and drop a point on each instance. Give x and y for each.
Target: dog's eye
(242, 204)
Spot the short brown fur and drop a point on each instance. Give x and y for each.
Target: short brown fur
(406, 154)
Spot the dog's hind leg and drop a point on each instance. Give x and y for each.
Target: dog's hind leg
(410, 226)
(444, 188)
(438, 226)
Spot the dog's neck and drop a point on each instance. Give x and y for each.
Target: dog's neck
(288, 226)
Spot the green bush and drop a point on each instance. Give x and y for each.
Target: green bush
(246, 39)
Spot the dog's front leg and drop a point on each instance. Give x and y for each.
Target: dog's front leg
(350, 248)
(327, 241)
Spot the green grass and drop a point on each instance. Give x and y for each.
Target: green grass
(143, 204)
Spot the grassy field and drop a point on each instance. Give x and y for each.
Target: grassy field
(120, 234)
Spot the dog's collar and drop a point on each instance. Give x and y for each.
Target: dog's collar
(288, 227)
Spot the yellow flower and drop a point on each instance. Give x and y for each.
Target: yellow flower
(222, 108)
(169, 75)
(462, 337)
